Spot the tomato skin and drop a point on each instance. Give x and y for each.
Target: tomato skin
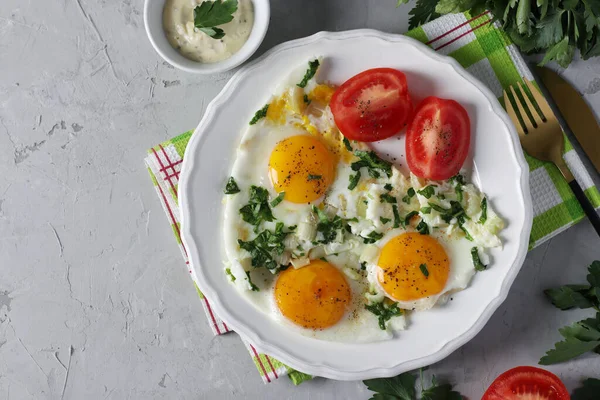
(438, 139)
(373, 105)
(517, 383)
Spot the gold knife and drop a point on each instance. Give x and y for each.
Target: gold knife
(575, 112)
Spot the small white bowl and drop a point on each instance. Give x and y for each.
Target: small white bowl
(153, 19)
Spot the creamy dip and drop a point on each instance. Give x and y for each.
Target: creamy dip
(178, 23)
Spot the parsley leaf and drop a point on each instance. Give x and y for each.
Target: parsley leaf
(328, 228)
(441, 392)
(589, 390)
(483, 217)
(423, 11)
(384, 220)
(387, 198)
(259, 114)
(397, 220)
(231, 187)
(426, 210)
(306, 99)
(257, 210)
(277, 199)
(354, 179)
(568, 349)
(409, 216)
(371, 161)
(427, 192)
(312, 177)
(384, 313)
(423, 228)
(265, 246)
(410, 193)
(347, 144)
(402, 387)
(479, 266)
(252, 285)
(459, 193)
(569, 296)
(457, 179)
(310, 72)
(210, 14)
(372, 237)
(229, 274)
(424, 270)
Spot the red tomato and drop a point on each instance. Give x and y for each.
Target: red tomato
(529, 383)
(438, 139)
(372, 105)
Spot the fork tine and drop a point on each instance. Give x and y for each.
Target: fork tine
(524, 117)
(511, 113)
(537, 119)
(540, 100)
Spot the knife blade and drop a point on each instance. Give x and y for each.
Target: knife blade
(574, 111)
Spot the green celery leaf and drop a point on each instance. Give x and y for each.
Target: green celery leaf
(589, 390)
(524, 24)
(567, 349)
(401, 386)
(549, 30)
(569, 296)
(562, 53)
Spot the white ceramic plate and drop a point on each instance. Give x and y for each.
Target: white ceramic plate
(498, 166)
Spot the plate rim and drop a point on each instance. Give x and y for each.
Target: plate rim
(256, 339)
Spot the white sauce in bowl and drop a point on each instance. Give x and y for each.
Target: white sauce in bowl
(178, 23)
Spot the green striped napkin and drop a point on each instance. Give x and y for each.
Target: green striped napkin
(486, 52)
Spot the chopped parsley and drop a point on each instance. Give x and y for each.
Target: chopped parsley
(257, 210)
(423, 228)
(387, 198)
(306, 99)
(457, 179)
(397, 219)
(410, 193)
(265, 246)
(329, 228)
(437, 208)
(231, 187)
(424, 270)
(459, 193)
(476, 260)
(483, 217)
(384, 220)
(426, 210)
(277, 199)
(312, 177)
(384, 313)
(259, 114)
(252, 285)
(229, 274)
(409, 216)
(427, 192)
(347, 144)
(388, 187)
(461, 221)
(371, 161)
(310, 72)
(372, 237)
(363, 265)
(210, 14)
(354, 179)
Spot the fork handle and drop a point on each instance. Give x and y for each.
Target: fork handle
(586, 205)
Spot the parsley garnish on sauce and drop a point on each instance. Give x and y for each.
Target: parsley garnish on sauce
(210, 14)
(479, 266)
(231, 187)
(310, 72)
(371, 161)
(383, 312)
(259, 114)
(257, 210)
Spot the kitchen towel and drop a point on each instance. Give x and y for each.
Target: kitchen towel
(479, 45)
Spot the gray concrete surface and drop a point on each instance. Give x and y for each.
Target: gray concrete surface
(94, 301)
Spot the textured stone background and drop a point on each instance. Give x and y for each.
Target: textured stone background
(94, 301)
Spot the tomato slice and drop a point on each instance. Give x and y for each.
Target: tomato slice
(527, 383)
(372, 105)
(438, 139)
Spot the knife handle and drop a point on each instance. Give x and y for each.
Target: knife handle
(586, 205)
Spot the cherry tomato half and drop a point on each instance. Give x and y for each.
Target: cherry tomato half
(522, 383)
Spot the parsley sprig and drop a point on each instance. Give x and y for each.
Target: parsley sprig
(265, 247)
(584, 335)
(257, 210)
(384, 312)
(210, 14)
(313, 66)
(371, 161)
(589, 390)
(329, 228)
(402, 387)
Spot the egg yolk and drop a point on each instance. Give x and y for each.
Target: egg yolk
(314, 296)
(413, 266)
(302, 167)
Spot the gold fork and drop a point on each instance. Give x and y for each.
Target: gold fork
(542, 137)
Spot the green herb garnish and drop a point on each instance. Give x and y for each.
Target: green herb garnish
(397, 220)
(423, 228)
(371, 161)
(479, 266)
(372, 237)
(426, 210)
(210, 14)
(229, 274)
(387, 198)
(384, 220)
(363, 265)
(312, 177)
(402, 387)
(265, 246)
(257, 210)
(424, 270)
(589, 390)
(457, 179)
(427, 192)
(328, 228)
(347, 144)
(231, 187)
(306, 99)
(354, 179)
(252, 285)
(410, 193)
(461, 221)
(459, 193)
(383, 312)
(259, 114)
(278, 199)
(310, 72)
(388, 187)
(483, 211)
(409, 216)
